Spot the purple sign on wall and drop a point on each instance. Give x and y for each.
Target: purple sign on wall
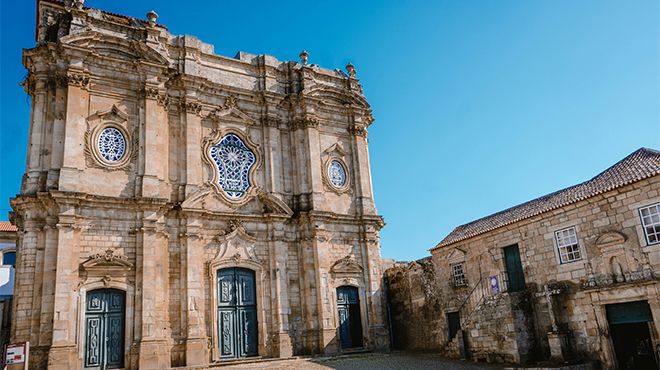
(494, 285)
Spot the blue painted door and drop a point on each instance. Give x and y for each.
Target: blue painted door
(104, 329)
(237, 313)
(350, 324)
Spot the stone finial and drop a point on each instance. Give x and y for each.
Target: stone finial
(304, 56)
(152, 17)
(79, 4)
(350, 68)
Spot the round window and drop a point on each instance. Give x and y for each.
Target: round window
(112, 144)
(337, 174)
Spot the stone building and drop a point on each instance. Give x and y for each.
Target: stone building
(7, 263)
(181, 208)
(571, 276)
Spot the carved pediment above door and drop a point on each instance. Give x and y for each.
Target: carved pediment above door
(106, 264)
(235, 245)
(346, 266)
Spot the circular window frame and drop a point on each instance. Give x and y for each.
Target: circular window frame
(326, 175)
(94, 144)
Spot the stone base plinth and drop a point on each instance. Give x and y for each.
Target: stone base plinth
(62, 358)
(154, 355)
(559, 346)
(196, 351)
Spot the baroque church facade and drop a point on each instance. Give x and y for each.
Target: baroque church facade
(181, 208)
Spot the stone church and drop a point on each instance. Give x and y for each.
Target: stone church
(573, 276)
(181, 208)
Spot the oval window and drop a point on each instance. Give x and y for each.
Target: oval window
(112, 144)
(337, 174)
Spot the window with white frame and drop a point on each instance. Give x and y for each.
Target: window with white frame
(567, 245)
(458, 274)
(651, 223)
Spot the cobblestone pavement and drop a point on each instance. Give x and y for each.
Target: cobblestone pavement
(375, 361)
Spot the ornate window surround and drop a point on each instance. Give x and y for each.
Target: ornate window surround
(214, 138)
(96, 123)
(335, 153)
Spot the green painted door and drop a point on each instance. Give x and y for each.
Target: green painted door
(104, 329)
(514, 268)
(237, 313)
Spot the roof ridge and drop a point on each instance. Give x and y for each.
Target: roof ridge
(611, 178)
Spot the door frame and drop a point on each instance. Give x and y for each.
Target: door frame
(602, 298)
(362, 331)
(216, 266)
(362, 296)
(129, 304)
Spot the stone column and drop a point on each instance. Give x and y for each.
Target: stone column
(64, 349)
(154, 350)
(196, 336)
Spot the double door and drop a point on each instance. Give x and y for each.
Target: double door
(237, 313)
(104, 329)
(350, 324)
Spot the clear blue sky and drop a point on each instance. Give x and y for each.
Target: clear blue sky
(479, 105)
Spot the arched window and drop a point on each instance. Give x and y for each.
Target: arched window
(233, 160)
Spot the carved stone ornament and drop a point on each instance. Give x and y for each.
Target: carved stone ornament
(346, 266)
(272, 204)
(610, 238)
(235, 245)
(358, 130)
(78, 79)
(303, 123)
(191, 107)
(109, 144)
(107, 264)
(230, 113)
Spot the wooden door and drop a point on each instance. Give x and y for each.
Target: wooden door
(514, 269)
(104, 329)
(350, 323)
(237, 313)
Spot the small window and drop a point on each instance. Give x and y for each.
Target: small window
(458, 274)
(651, 223)
(9, 258)
(567, 244)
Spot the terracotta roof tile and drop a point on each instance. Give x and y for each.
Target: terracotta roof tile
(639, 165)
(6, 226)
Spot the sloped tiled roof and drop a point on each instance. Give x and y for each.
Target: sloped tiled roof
(6, 226)
(639, 165)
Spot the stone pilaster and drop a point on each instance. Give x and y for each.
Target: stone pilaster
(282, 343)
(193, 137)
(154, 350)
(76, 113)
(63, 351)
(197, 352)
(155, 142)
